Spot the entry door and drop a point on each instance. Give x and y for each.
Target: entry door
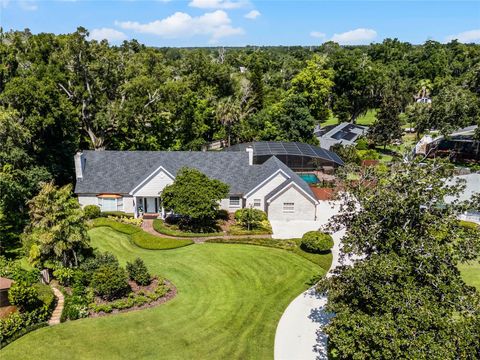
(150, 206)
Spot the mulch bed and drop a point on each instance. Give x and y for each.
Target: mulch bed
(5, 311)
(136, 288)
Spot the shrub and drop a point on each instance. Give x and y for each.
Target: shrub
(162, 228)
(369, 154)
(24, 296)
(250, 218)
(316, 242)
(91, 211)
(45, 295)
(13, 270)
(138, 272)
(116, 214)
(362, 144)
(110, 282)
(64, 275)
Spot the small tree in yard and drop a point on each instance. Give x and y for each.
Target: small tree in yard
(195, 196)
(249, 218)
(404, 298)
(138, 272)
(56, 232)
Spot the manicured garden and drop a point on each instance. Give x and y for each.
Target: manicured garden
(229, 301)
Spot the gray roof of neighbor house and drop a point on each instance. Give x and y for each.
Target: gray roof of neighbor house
(277, 148)
(119, 172)
(344, 133)
(472, 186)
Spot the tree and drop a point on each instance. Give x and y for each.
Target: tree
(404, 297)
(56, 232)
(454, 108)
(19, 177)
(250, 218)
(195, 196)
(315, 83)
(387, 126)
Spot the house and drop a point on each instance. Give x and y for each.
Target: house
(472, 186)
(132, 181)
(344, 133)
(5, 285)
(459, 145)
(296, 155)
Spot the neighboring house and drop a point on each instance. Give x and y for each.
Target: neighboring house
(344, 133)
(424, 100)
(5, 285)
(460, 145)
(472, 186)
(132, 181)
(297, 156)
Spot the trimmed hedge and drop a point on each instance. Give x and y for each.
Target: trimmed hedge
(115, 225)
(151, 242)
(117, 214)
(316, 242)
(162, 228)
(141, 238)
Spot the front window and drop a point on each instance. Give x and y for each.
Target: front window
(257, 202)
(234, 201)
(288, 207)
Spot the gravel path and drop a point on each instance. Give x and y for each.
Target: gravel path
(299, 335)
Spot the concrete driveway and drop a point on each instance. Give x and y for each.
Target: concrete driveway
(299, 334)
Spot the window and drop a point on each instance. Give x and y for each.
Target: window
(109, 204)
(288, 207)
(234, 201)
(257, 202)
(120, 204)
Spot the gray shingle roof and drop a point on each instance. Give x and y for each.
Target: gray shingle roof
(119, 172)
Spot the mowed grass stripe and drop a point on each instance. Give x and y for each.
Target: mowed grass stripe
(230, 299)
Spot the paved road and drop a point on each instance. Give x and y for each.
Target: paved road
(298, 336)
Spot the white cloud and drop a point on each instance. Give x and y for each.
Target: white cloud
(28, 5)
(318, 34)
(218, 4)
(355, 37)
(472, 36)
(111, 35)
(216, 24)
(252, 15)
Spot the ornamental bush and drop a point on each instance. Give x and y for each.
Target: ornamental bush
(250, 218)
(24, 296)
(92, 212)
(110, 282)
(316, 242)
(138, 272)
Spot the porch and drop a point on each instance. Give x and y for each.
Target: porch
(149, 207)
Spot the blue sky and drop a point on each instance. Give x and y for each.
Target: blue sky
(248, 22)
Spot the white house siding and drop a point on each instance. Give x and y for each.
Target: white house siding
(304, 208)
(264, 190)
(154, 186)
(225, 205)
(87, 199)
(91, 199)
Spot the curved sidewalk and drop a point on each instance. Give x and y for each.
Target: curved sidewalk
(298, 335)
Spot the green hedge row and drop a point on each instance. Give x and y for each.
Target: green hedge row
(141, 238)
(160, 227)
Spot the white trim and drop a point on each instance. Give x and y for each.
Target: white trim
(149, 177)
(286, 187)
(265, 181)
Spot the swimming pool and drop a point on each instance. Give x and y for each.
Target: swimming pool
(309, 178)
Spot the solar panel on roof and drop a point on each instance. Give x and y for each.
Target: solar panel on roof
(350, 136)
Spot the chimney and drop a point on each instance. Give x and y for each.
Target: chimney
(78, 165)
(250, 155)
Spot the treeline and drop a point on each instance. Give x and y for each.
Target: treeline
(62, 93)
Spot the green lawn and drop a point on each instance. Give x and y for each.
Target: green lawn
(367, 119)
(471, 273)
(230, 299)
